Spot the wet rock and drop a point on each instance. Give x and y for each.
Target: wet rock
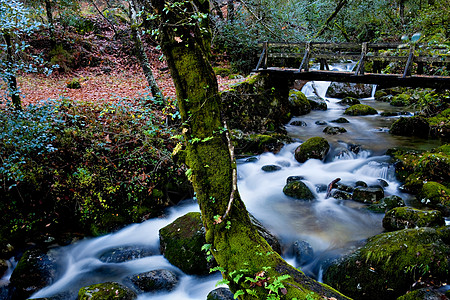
(315, 147)
(344, 187)
(107, 290)
(270, 168)
(251, 159)
(271, 239)
(349, 101)
(346, 89)
(294, 178)
(36, 269)
(298, 123)
(382, 182)
(360, 110)
(321, 122)
(360, 183)
(411, 126)
(334, 130)
(368, 195)
(388, 114)
(298, 190)
(387, 266)
(302, 252)
(122, 254)
(435, 195)
(181, 242)
(317, 103)
(220, 294)
(341, 195)
(340, 120)
(408, 217)
(3, 267)
(156, 280)
(387, 203)
(253, 144)
(424, 294)
(299, 104)
(354, 148)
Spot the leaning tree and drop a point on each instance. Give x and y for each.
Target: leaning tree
(248, 264)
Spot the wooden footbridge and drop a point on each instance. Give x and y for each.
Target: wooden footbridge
(402, 59)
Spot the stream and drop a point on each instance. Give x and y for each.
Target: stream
(332, 227)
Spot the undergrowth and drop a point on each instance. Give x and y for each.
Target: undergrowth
(83, 166)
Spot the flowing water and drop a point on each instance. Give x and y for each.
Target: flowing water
(332, 227)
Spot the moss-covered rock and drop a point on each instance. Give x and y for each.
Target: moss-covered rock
(368, 194)
(440, 124)
(414, 168)
(387, 203)
(155, 280)
(181, 242)
(401, 100)
(424, 294)
(107, 290)
(411, 126)
(333, 130)
(127, 253)
(349, 101)
(346, 89)
(340, 120)
(390, 263)
(299, 103)
(220, 294)
(298, 190)
(315, 147)
(407, 217)
(253, 144)
(360, 110)
(36, 269)
(317, 103)
(435, 195)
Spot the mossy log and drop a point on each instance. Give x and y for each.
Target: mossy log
(243, 255)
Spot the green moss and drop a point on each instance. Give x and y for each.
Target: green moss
(435, 195)
(221, 71)
(315, 147)
(298, 190)
(401, 100)
(390, 263)
(105, 291)
(74, 84)
(299, 103)
(408, 217)
(360, 110)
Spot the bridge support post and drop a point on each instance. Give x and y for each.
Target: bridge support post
(305, 60)
(408, 66)
(360, 67)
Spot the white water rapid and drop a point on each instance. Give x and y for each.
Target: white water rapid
(330, 226)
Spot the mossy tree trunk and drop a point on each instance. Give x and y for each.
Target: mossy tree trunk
(235, 243)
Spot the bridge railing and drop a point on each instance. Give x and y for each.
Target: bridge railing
(378, 53)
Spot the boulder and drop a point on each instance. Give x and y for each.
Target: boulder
(315, 147)
(36, 269)
(270, 168)
(435, 195)
(156, 280)
(298, 103)
(401, 100)
(321, 122)
(294, 178)
(388, 114)
(360, 183)
(302, 252)
(344, 187)
(349, 101)
(411, 126)
(298, 190)
(390, 263)
(341, 195)
(407, 217)
(360, 110)
(122, 254)
(107, 290)
(368, 195)
(387, 203)
(253, 144)
(340, 120)
(181, 242)
(334, 130)
(347, 89)
(424, 294)
(317, 103)
(298, 123)
(220, 294)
